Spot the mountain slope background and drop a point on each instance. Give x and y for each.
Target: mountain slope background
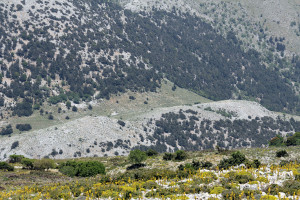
(74, 49)
(59, 56)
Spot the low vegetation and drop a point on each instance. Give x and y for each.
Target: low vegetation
(292, 140)
(188, 178)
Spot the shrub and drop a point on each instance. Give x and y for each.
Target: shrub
(74, 109)
(217, 190)
(68, 170)
(137, 156)
(68, 104)
(7, 130)
(256, 163)
(151, 152)
(24, 108)
(150, 185)
(121, 123)
(23, 127)
(82, 169)
(290, 187)
(36, 106)
(262, 179)
(89, 168)
(15, 158)
(281, 153)
(276, 141)
(50, 117)
(27, 163)
(237, 158)
(135, 166)
(43, 164)
(168, 156)
(148, 174)
(187, 166)
(206, 165)
(241, 177)
(232, 194)
(131, 97)
(14, 144)
(293, 140)
(195, 165)
(180, 155)
(284, 163)
(272, 189)
(5, 166)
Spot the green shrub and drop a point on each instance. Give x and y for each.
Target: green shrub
(206, 164)
(74, 109)
(89, 168)
(290, 187)
(284, 163)
(187, 166)
(195, 165)
(241, 177)
(281, 153)
(121, 123)
(23, 127)
(217, 190)
(237, 158)
(27, 163)
(15, 158)
(180, 155)
(232, 194)
(272, 189)
(151, 152)
(137, 156)
(168, 156)
(5, 166)
(276, 141)
(82, 169)
(68, 168)
(43, 164)
(293, 140)
(256, 163)
(14, 145)
(150, 184)
(147, 174)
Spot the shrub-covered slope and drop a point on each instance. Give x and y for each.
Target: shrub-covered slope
(74, 50)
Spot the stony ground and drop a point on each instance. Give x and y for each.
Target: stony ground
(88, 136)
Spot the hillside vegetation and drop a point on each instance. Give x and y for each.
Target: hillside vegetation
(250, 173)
(79, 50)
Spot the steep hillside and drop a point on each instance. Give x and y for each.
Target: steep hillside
(270, 27)
(85, 78)
(79, 50)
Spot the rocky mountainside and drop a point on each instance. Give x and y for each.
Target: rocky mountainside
(75, 50)
(60, 57)
(227, 124)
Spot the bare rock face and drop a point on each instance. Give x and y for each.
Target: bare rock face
(88, 136)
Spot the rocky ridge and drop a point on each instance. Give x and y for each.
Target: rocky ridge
(104, 136)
